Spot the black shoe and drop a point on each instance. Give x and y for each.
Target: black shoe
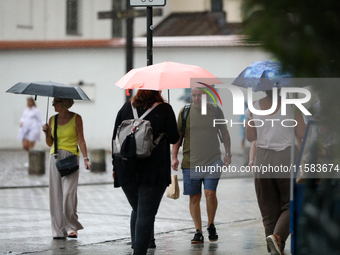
(152, 243)
(198, 237)
(212, 233)
(59, 237)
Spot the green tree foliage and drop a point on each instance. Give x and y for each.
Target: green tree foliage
(304, 35)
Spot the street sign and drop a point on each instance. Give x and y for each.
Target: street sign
(127, 14)
(147, 3)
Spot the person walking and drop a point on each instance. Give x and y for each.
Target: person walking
(145, 180)
(201, 148)
(63, 190)
(30, 125)
(272, 143)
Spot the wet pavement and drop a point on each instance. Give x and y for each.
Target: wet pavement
(104, 213)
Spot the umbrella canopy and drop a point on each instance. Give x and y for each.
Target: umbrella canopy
(263, 75)
(49, 89)
(165, 75)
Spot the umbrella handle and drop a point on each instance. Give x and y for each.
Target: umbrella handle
(48, 99)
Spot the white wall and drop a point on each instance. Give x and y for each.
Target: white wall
(189, 5)
(231, 7)
(103, 67)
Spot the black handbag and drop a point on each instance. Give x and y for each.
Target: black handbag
(67, 165)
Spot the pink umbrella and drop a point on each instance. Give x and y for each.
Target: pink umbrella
(165, 75)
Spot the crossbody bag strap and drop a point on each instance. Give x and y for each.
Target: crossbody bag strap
(134, 111)
(77, 135)
(55, 136)
(156, 142)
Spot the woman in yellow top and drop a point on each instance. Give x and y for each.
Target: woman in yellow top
(63, 190)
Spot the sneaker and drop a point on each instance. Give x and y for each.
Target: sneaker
(274, 243)
(213, 237)
(198, 237)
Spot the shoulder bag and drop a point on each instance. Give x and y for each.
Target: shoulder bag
(67, 165)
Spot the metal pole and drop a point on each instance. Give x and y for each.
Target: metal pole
(149, 60)
(48, 101)
(292, 159)
(149, 29)
(129, 44)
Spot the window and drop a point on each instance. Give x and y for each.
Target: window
(216, 5)
(25, 9)
(72, 16)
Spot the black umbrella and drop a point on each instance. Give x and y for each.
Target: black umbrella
(49, 89)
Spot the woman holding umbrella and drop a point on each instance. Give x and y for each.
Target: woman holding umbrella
(145, 180)
(63, 190)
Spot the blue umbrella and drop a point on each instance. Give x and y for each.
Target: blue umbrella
(263, 75)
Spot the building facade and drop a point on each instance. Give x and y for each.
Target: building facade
(78, 19)
(42, 46)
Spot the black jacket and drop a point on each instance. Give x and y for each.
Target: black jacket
(155, 169)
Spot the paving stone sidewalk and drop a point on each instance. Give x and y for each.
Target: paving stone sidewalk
(104, 213)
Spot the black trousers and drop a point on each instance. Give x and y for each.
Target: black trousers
(144, 199)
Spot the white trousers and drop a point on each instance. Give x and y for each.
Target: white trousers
(63, 199)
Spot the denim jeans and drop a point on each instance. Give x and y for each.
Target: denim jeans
(144, 200)
(192, 180)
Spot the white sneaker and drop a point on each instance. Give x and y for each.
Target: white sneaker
(274, 244)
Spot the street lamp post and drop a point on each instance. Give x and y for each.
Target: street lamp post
(149, 54)
(148, 4)
(129, 14)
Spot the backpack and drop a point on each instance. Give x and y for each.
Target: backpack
(185, 115)
(134, 138)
